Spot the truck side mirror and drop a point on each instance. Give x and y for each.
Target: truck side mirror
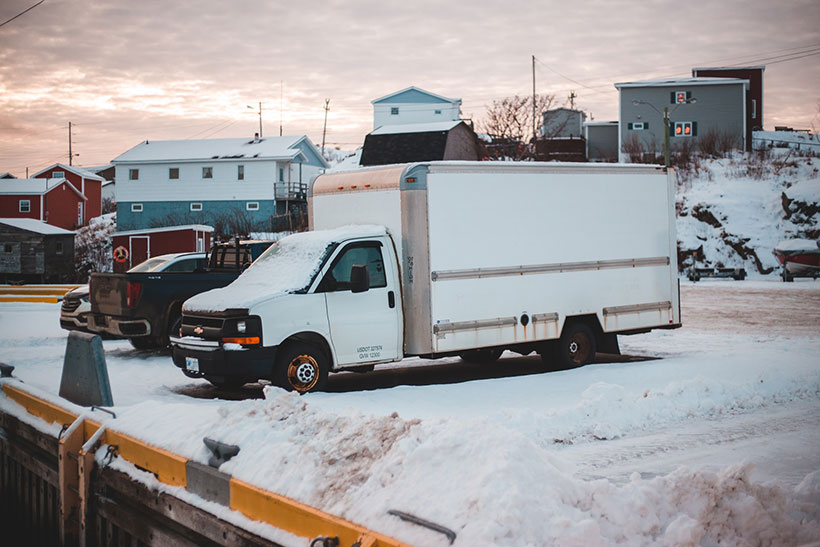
(359, 278)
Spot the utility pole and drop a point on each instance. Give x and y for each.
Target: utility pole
(572, 97)
(324, 128)
(666, 136)
(70, 155)
(281, 104)
(260, 121)
(534, 115)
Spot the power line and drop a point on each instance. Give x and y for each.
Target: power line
(22, 13)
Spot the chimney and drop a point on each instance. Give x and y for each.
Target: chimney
(255, 138)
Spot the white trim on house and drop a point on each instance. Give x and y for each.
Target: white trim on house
(76, 170)
(196, 227)
(675, 82)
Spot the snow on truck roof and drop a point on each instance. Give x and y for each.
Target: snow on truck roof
(285, 267)
(389, 177)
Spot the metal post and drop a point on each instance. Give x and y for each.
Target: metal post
(666, 136)
(70, 155)
(534, 117)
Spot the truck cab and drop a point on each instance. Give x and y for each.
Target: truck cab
(315, 302)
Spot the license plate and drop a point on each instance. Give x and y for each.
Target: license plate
(192, 364)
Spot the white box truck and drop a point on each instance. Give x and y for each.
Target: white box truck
(446, 258)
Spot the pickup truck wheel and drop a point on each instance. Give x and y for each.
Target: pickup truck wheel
(301, 367)
(576, 346)
(486, 356)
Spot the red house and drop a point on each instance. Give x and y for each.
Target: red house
(89, 184)
(63, 196)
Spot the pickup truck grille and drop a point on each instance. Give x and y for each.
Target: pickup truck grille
(202, 327)
(69, 305)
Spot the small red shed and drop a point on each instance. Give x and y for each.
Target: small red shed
(135, 246)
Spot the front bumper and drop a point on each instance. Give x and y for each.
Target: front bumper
(211, 358)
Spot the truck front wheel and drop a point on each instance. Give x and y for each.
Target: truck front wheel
(301, 367)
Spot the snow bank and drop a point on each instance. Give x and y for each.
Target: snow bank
(287, 266)
(737, 209)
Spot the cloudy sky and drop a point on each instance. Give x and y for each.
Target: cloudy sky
(123, 71)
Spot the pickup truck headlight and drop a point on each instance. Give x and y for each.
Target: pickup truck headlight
(246, 331)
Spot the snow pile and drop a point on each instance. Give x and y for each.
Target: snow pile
(737, 209)
(287, 266)
(510, 489)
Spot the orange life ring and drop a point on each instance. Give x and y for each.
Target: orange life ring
(121, 254)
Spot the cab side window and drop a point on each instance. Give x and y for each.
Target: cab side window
(338, 277)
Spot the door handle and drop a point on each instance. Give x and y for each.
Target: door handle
(391, 299)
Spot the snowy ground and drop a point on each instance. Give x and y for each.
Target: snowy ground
(714, 442)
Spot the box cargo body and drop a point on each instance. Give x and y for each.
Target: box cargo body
(498, 254)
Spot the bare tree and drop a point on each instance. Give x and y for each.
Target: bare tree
(511, 117)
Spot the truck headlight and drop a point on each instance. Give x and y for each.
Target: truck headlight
(241, 327)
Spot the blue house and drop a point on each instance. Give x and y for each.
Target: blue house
(214, 181)
(414, 105)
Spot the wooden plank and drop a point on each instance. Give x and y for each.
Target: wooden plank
(68, 452)
(120, 519)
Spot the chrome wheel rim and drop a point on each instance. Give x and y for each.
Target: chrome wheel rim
(303, 373)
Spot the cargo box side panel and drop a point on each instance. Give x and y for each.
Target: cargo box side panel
(546, 245)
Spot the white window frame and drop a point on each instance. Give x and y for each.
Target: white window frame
(58, 174)
(209, 171)
(136, 207)
(169, 173)
(20, 206)
(638, 126)
(196, 206)
(133, 174)
(683, 129)
(251, 205)
(394, 110)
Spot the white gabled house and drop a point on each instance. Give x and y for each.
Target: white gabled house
(414, 105)
(166, 183)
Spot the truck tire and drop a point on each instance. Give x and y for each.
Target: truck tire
(301, 367)
(576, 347)
(485, 356)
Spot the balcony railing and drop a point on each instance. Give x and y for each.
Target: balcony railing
(290, 190)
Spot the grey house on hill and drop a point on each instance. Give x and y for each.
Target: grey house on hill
(699, 108)
(451, 140)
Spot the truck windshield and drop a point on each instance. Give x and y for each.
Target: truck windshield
(290, 264)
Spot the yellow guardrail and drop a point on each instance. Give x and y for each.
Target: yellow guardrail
(34, 293)
(279, 511)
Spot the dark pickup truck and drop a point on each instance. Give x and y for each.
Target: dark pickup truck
(144, 304)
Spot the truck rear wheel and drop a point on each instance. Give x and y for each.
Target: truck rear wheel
(576, 347)
(301, 367)
(145, 342)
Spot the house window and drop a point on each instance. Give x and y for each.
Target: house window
(59, 250)
(281, 174)
(207, 172)
(58, 174)
(754, 108)
(7, 247)
(240, 172)
(680, 97)
(394, 110)
(196, 207)
(637, 126)
(437, 111)
(173, 173)
(133, 174)
(252, 206)
(25, 206)
(136, 207)
(685, 129)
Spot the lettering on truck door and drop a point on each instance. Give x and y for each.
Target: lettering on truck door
(363, 326)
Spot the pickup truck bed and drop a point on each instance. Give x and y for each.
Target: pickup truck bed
(145, 307)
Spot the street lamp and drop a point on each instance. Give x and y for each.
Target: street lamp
(665, 114)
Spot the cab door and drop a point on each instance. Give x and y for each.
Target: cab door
(365, 327)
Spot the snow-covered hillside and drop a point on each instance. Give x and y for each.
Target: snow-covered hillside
(735, 210)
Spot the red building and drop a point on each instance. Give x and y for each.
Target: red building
(135, 246)
(62, 196)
